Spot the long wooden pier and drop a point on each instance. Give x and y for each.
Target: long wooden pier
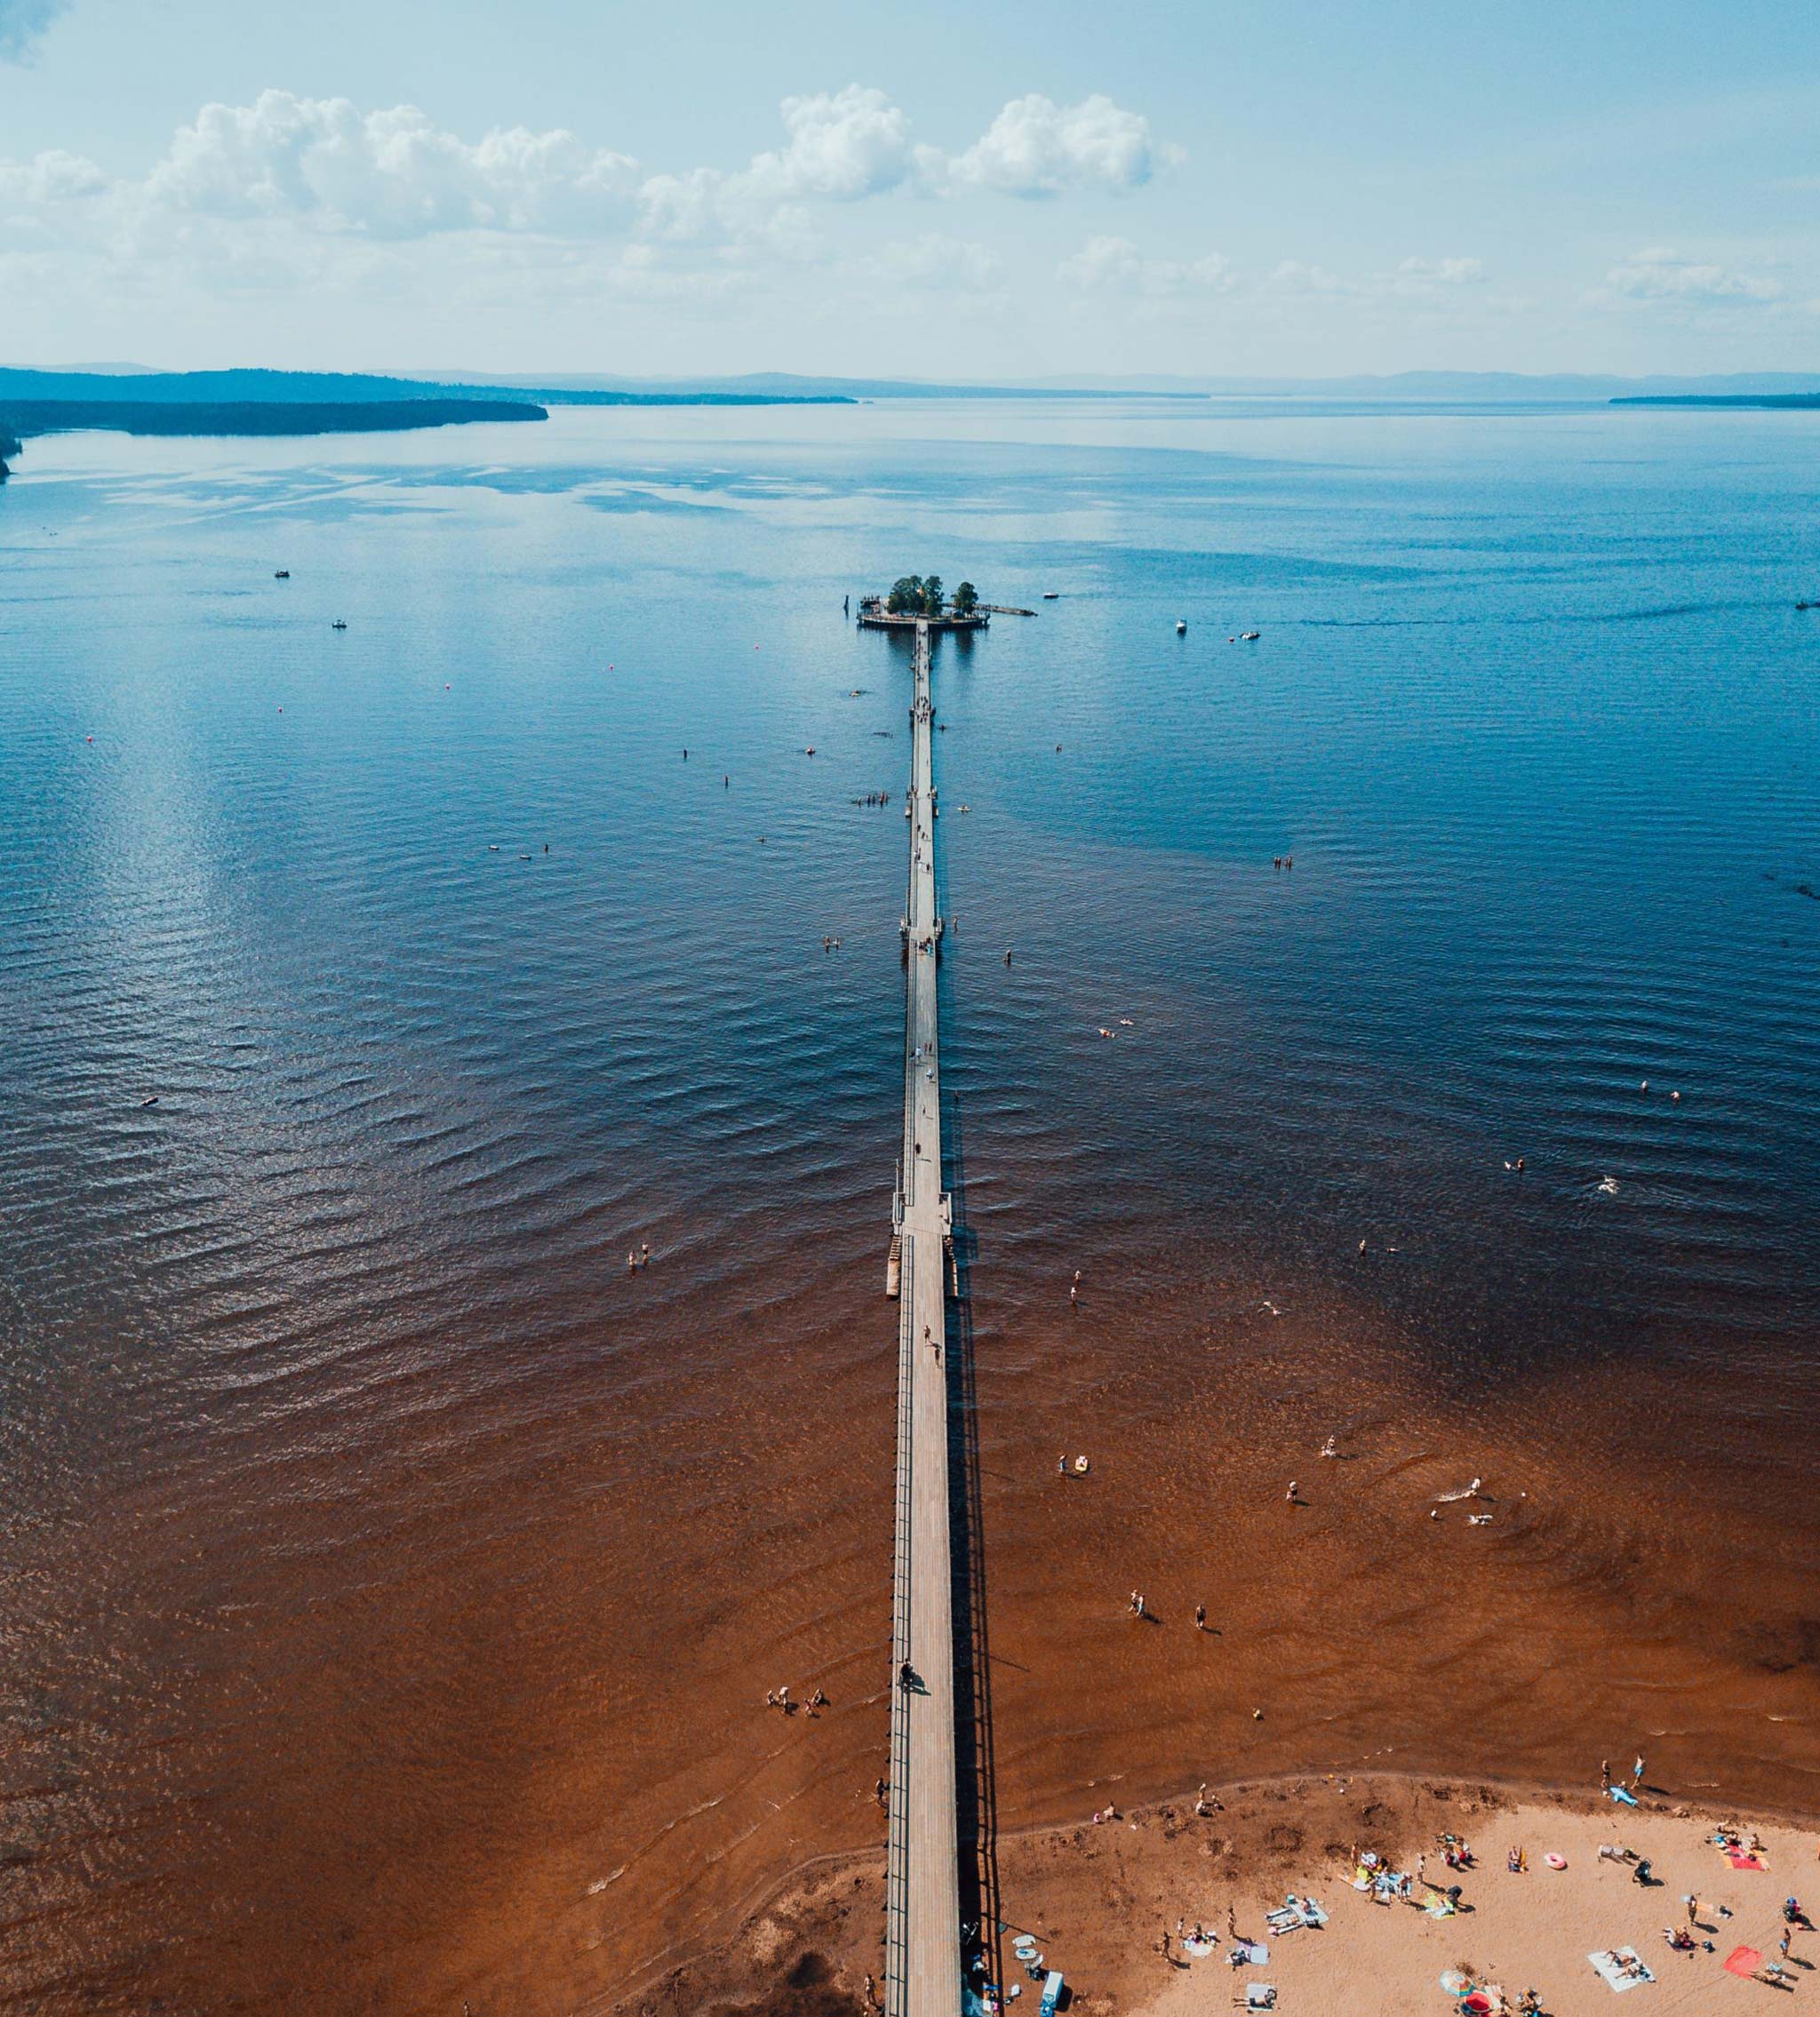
(923, 1912)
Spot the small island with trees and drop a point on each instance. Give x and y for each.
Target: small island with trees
(917, 598)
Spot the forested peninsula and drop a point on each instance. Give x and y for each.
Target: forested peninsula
(301, 403)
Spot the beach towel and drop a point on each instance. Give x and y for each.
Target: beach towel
(1440, 1906)
(1742, 1859)
(1743, 1961)
(1621, 1969)
(1199, 1949)
(1260, 1996)
(1625, 1794)
(1249, 1954)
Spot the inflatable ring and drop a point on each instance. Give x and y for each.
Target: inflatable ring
(1555, 1861)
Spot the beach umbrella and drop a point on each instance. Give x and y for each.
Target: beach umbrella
(1743, 1961)
(1454, 1983)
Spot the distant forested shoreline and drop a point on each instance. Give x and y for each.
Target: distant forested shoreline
(299, 402)
(21, 418)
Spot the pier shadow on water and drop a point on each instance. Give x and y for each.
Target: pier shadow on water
(976, 1795)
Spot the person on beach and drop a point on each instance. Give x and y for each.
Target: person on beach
(1637, 1774)
(1137, 1605)
(817, 1700)
(1201, 1617)
(881, 1793)
(1605, 1775)
(1290, 1493)
(1231, 1921)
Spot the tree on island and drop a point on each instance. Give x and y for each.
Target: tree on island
(966, 599)
(912, 596)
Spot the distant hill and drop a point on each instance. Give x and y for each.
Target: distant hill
(1471, 387)
(785, 388)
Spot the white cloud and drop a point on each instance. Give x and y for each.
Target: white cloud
(1659, 277)
(1422, 274)
(1115, 266)
(843, 145)
(390, 174)
(934, 259)
(52, 177)
(305, 197)
(1036, 148)
(21, 23)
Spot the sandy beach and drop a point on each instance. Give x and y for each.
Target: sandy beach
(1098, 1898)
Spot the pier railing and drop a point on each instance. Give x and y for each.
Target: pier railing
(897, 1961)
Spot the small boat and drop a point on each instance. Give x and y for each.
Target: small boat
(151, 1100)
(1250, 637)
(284, 574)
(1807, 605)
(337, 624)
(1051, 595)
(1181, 627)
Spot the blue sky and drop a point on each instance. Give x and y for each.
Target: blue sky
(941, 190)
